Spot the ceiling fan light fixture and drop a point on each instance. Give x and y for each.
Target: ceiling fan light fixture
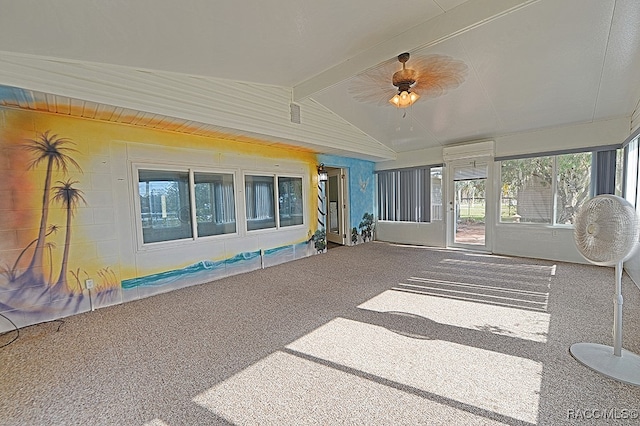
(427, 76)
(404, 99)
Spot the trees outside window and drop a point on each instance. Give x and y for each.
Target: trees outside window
(164, 205)
(259, 202)
(290, 205)
(529, 187)
(574, 185)
(215, 203)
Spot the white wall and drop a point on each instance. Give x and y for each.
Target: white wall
(540, 242)
(426, 234)
(536, 241)
(422, 157)
(632, 266)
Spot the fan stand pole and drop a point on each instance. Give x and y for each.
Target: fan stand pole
(613, 362)
(617, 313)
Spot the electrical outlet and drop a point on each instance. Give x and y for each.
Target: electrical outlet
(88, 284)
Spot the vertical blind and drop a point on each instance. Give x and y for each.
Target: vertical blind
(604, 172)
(404, 195)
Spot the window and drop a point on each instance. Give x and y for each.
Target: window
(574, 185)
(547, 189)
(259, 202)
(166, 208)
(215, 204)
(171, 200)
(405, 194)
(164, 205)
(260, 205)
(290, 201)
(619, 172)
(526, 190)
(436, 193)
(631, 172)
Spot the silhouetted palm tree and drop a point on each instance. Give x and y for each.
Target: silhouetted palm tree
(50, 149)
(70, 197)
(51, 230)
(50, 245)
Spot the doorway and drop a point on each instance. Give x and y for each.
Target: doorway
(335, 193)
(467, 221)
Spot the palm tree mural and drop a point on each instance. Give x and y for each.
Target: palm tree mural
(70, 197)
(13, 271)
(52, 150)
(50, 246)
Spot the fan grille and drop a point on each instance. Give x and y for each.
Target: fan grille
(606, 230)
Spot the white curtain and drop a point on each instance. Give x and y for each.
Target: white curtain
(263, 200)
(259, 199)
(225, 203)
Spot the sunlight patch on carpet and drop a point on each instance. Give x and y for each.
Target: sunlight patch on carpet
(492, 381)
(285, 389)
(501, 320)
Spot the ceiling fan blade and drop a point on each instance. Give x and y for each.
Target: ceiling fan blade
(374, 85)
(436, 74)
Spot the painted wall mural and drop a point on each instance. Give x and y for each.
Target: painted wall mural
(55, 153)
(38, 284)
(68, 212)
(361, 195)
(59, 224)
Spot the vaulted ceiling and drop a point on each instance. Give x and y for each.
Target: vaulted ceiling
(234, 68)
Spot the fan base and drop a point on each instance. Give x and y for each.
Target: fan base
(624, 368)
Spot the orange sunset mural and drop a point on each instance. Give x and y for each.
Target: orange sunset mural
(40, 272)
(79, 195)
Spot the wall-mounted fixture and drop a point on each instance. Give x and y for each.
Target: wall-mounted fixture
(322, 173)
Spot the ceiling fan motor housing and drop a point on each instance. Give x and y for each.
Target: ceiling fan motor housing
(406, 77)
(403, 79)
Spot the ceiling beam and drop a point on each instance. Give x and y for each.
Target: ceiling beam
(465, 17)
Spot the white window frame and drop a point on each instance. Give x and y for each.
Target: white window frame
(305, 201)
(234, 173)
(632, 172)
(181, 168)
(554, 192)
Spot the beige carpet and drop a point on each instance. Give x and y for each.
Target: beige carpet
(375, 334)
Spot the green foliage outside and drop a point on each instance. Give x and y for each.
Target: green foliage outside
(573, 184)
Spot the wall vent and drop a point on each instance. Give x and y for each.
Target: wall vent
(295, 113)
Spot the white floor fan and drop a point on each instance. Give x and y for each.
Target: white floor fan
(606, 233)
